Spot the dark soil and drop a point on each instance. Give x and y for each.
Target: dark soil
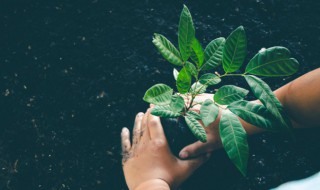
(177, 133)
(73, 73)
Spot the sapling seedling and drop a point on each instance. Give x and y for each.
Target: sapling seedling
(196, 75)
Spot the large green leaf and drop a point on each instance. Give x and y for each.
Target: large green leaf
(194, 114)
(235, 50)
(234, 140)
(197, 54)
(213, 54)
(177, 103)
(209, 112)
(164, 111)
(209, 79)
(274, 61)
(183, 81)
(196, 128)
(229, 93)
(159, 94)
(263, 92)
(167, 49)
(253, 113)
(192, 69)
(198, 88)
(186, 33)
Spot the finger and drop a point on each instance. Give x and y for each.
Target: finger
(125, 143)
(137, 128)
(151, 105)
(194, 150)
(189, 166)
(155, 127)
(144, 128)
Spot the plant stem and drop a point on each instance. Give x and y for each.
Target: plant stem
(193, 95)
(227, 75)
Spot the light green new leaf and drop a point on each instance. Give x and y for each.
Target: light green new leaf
(263, 92)
(209, 79)
(209, 112)
(175, 73)
(253, 113)
(235, 50)
(186, 33)
(192, 69)
(196, 128)
(164, 111)
(234, 140)
(197, 54)
(159, 94)
(213, 54)
(274, 62)
(183, 81)
(198, 88)
(167, 49)
(194, 114)
(229, 93)
(177, 103)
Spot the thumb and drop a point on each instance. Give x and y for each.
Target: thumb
(193, 150)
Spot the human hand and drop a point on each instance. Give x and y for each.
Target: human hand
(148, 158)
(212, 131)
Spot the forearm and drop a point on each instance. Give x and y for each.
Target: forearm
(155, 184)
(300, 99)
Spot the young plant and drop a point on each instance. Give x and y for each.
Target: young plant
(196, 75)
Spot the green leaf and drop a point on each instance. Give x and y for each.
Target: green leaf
(229, 93)
(194, 114)
(263, 92)
(235, 50)
(192, 69)
(198, 88)
(209, 112)
(209, 79)
(197, 54)
(213, 54)
(177, 103)
(186, 33)
(175, 73)
(167, 49)
(183, 81)
(159, 94)
(196, 128)
(253, 113)
(164, 111)
(234, 140)
(274, 62)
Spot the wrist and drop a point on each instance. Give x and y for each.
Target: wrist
(153, 184)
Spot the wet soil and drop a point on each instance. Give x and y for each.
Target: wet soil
(73, 73)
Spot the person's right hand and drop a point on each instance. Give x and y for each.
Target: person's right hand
(213, 136)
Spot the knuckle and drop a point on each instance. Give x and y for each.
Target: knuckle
(159, 143)
(153, 121)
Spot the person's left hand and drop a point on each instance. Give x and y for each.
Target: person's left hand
(149, 157)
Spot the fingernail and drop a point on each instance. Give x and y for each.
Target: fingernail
(140, 114)
(183, 155)
(124, 130)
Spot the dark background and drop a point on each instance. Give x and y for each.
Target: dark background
(73, 73)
